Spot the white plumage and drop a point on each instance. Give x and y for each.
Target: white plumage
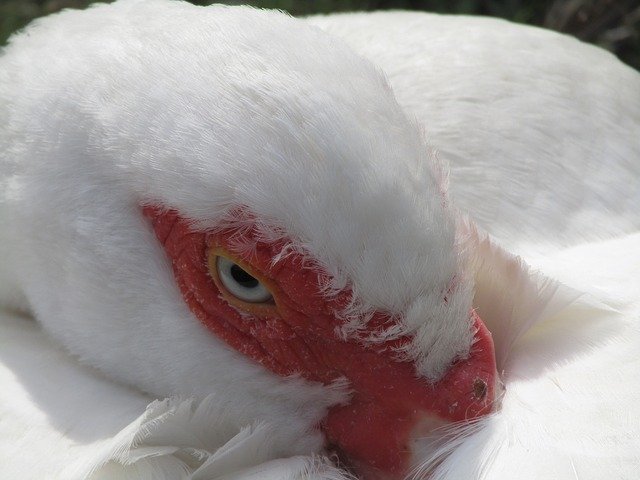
(543, 137)
(540, 130)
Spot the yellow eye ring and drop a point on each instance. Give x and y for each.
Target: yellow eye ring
(240, 285)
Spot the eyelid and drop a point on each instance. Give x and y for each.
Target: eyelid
(259, 309)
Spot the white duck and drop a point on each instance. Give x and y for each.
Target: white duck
(232, 120)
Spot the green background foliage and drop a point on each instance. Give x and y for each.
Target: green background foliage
(612, 24)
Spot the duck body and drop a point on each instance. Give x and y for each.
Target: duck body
(540, 130)
(128, 121)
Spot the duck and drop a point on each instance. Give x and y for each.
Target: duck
(241, 267)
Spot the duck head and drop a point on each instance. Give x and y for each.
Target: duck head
(242, 208)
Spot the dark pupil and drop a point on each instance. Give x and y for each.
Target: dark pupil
(243, 278)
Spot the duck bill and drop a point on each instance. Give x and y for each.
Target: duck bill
(392, 408)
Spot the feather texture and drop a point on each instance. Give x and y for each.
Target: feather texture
(546, 164)
(542, 131)
(570, 407)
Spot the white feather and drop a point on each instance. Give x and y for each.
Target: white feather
(570, 409)
(542, 131)
(543, 137)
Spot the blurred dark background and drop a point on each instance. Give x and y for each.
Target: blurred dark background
(612, 24)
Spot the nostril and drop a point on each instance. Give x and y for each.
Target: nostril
(480, 389)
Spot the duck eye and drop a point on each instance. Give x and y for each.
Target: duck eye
(241, 284)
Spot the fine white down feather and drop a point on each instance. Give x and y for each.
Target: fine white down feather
(570, 407)
(542, 131)
(568, 359)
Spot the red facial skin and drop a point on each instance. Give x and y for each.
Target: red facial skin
(297, 335)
